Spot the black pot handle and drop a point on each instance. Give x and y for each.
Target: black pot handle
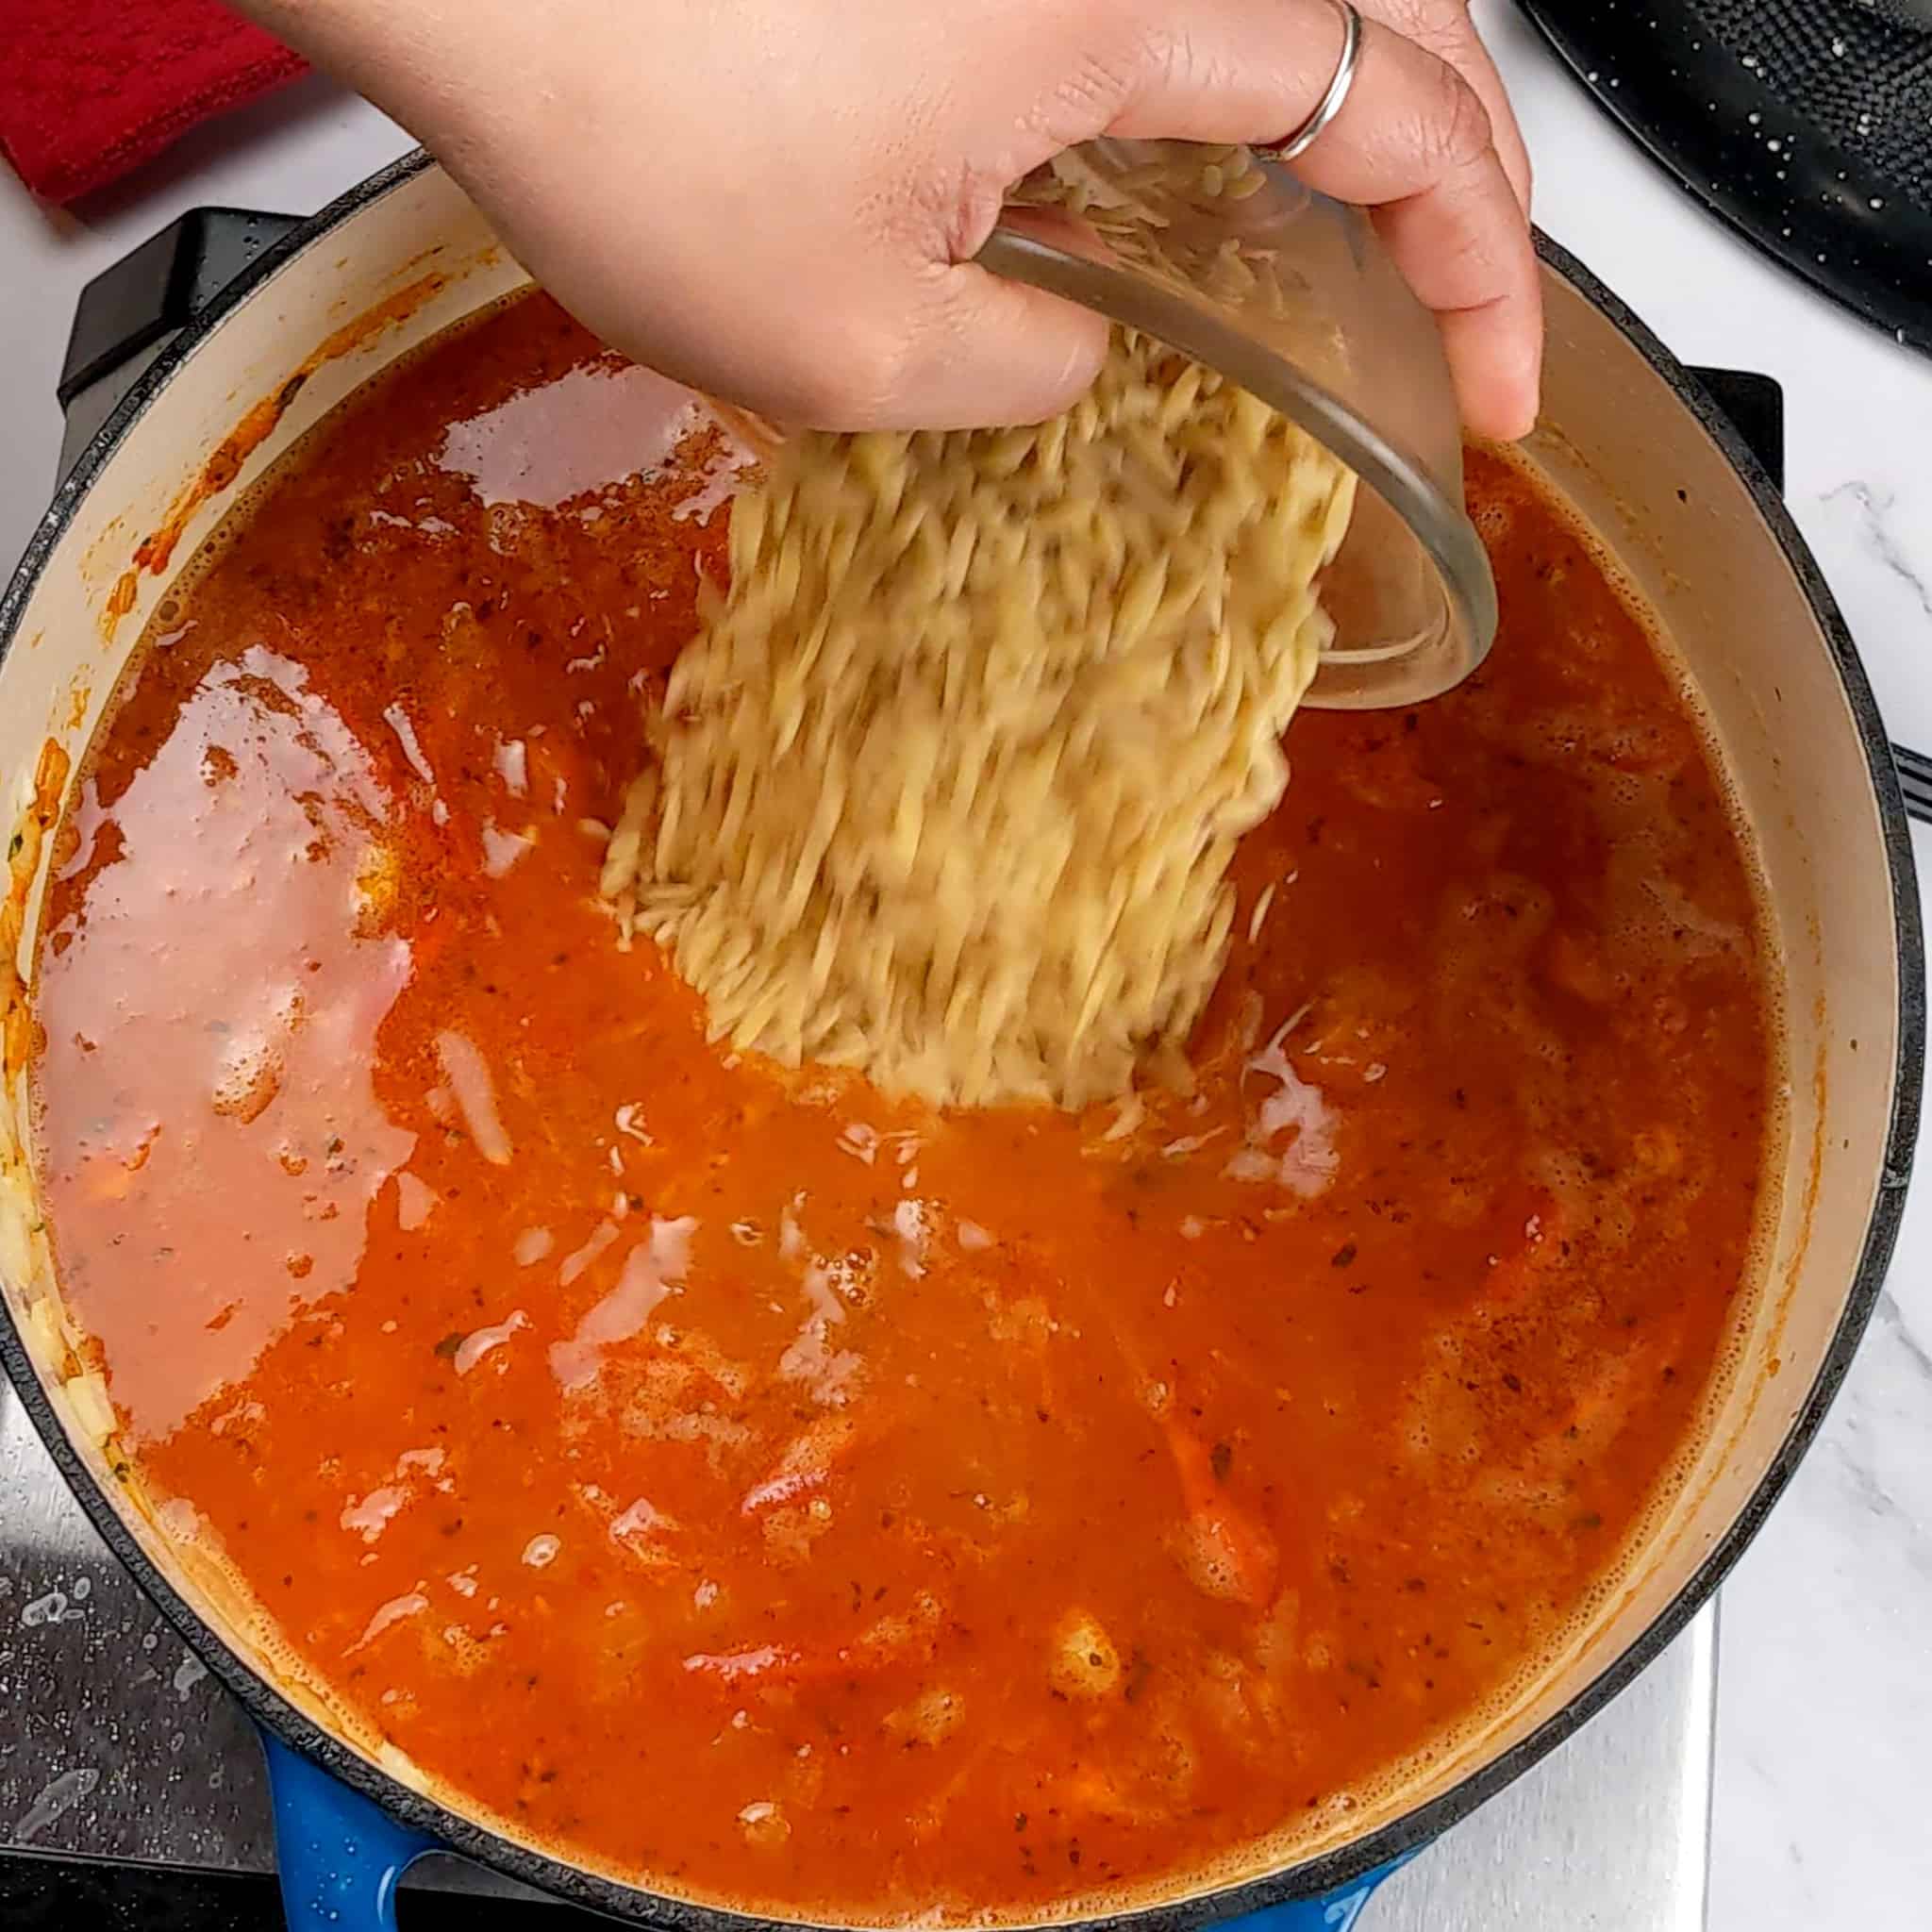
(1915, 781)
(131, 312)
(1755, 406)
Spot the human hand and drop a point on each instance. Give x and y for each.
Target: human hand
(1447, 29)
(779, 201)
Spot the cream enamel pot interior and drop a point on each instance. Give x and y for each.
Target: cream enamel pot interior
(1645, 457)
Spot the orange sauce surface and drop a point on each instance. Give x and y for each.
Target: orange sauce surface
(794, 1498)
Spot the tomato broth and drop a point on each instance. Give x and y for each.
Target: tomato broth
(791, 1498)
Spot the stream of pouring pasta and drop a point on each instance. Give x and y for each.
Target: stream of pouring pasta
(947, 788)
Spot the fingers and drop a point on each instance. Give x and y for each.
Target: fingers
(1493, 337)
(1412, 142)
(1464, 51)
(1414, 145)
(1223, 71)
(1448, 30)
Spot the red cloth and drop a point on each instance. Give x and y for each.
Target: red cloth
(90, 89)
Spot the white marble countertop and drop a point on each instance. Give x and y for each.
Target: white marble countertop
(1824, 1702)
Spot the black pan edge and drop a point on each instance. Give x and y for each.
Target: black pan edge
(1812, 216)
(1333, 1869)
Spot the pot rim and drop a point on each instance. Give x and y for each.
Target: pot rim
(1328, 1871)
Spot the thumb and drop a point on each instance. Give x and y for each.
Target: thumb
(984, 351)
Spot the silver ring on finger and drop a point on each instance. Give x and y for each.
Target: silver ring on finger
(1334, 97)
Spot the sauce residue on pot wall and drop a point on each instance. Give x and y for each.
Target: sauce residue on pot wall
(156, 550)
(786, 1498)
(23, 862)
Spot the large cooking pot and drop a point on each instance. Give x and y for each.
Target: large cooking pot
(1640, 448)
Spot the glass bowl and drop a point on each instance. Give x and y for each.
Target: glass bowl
(1233, 261)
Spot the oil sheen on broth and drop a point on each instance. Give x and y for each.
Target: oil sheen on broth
(781, 1496)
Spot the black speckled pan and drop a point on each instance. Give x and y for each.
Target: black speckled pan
(1806, 124)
